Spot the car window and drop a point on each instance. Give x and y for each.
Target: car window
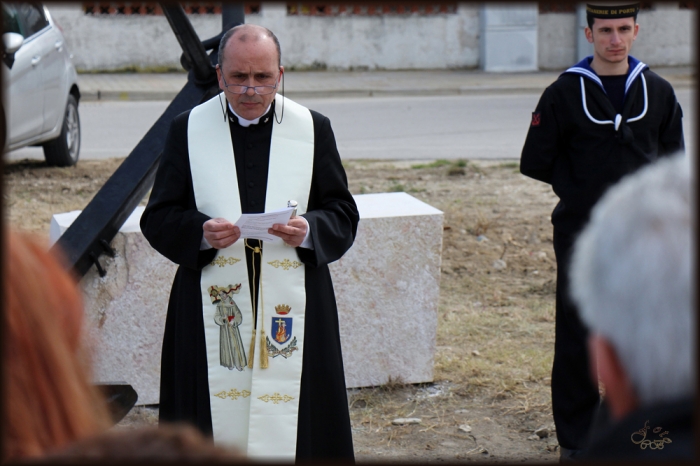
(31, 18)
(10, 21)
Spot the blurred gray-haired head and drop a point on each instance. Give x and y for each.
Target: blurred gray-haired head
(632, 277)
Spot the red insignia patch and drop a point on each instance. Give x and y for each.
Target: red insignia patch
(535, 119)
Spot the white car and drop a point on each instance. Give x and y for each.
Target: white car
(40, 90)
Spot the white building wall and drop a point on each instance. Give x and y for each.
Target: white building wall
(331, 42)
(436, 41)
(103, 43)
(557, 40)
(666, 37)
(508, 37)
(375, 42)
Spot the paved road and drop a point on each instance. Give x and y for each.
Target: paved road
(437, 127)
(418, 128)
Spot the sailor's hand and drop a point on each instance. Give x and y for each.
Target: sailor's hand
(293, 233)
(220, 233)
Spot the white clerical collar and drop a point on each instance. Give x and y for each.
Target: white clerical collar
(245, 123)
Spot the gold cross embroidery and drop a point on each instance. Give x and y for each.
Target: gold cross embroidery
(234, 394)
(222, 261)
(276, 398)
(285, 264)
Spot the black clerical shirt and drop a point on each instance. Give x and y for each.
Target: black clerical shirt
(251, 148)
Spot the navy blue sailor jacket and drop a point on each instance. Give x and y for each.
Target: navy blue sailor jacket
(580, 145)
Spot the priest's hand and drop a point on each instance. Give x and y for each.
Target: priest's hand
(220, 233)
(293, 233)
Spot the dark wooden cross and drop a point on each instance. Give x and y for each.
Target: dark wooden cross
(90, 235)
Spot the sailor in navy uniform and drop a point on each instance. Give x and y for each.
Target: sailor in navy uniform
(602, 119)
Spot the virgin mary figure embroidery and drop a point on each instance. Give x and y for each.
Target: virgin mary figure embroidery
(228, 317)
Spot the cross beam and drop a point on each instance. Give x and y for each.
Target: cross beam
(90, 235)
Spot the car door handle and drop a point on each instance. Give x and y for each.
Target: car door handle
(36, 60)
(59, 45)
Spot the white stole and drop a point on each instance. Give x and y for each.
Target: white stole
(255, 410)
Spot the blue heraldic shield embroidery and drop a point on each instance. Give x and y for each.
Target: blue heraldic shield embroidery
(281, 329)
(281, 334)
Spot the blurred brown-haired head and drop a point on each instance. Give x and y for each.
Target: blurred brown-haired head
(168, 442)
(48, 399)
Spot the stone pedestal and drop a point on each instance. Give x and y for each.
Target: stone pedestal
(387, 289)
(125, 309)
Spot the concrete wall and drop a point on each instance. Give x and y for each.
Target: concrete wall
(334, 42)
(360, 42)
(666, 37)
(101, 43)
(508, 37)
(556, 40)
(376, 42)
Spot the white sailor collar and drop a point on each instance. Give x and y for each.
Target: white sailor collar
(584, 70)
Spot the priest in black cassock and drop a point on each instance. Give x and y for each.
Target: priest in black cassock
(602, 119)
(179, 223)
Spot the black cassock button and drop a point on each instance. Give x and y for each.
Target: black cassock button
(250, 146)
(251, 184)
(250, 164)
(252, 202)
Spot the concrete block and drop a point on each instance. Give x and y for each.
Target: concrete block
(125, 310)
(387, 288)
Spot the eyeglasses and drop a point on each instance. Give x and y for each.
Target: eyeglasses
(240, 89)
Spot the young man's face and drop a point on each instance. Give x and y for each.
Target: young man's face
(612, 38)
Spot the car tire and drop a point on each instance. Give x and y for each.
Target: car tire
(64, 150)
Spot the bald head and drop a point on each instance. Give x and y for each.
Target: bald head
(249, 60)
(247, 33)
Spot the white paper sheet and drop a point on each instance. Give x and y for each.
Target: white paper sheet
(255, 226)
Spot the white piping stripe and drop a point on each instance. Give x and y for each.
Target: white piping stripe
(586, 72)
(633, 75)
(617, 117)
(646, 102)
(585, 107)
